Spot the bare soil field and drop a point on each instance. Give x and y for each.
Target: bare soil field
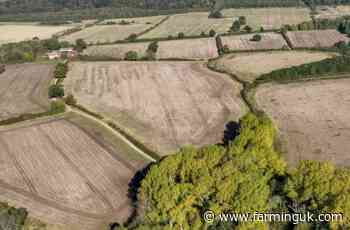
(269, 41)
(315, 38)
(164, 105)
(201, 48)
(249, 66)
(332, 12)
(190, 24)
(17, 32)
(313, 118)
(24, 89)
(112, 33)
(116, 51)
(270, 18)
(66, 174)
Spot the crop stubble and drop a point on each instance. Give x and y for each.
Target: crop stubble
(165, 105)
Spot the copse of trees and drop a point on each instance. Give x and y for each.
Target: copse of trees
(336, 65)
(56, 90)
(177, 191)
(131, 56)
(61, 70)
(236, 26)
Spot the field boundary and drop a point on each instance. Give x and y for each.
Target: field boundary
(111, 126)
(154, 26)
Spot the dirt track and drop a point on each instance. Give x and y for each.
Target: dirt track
(165, 105)
(313, 118)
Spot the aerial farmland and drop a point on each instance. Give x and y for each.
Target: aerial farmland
(249, 66)
(315, 38)
(64, 174)
(165, 105)
(23, 89)
(311, 118)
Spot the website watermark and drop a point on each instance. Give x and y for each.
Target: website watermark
(295, 218)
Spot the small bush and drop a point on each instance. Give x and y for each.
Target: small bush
(131, 56)
(181, 35)
(212, 33)
(256, 38)
(248, 29)
(56, 91)
(132, 37)
(70, 100)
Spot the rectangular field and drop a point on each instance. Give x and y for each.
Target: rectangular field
(332, 12)
(313, 118)
(112, 33)
(270, 18)
(17, 32)
(24, 89)
(201, 48)
(164, 105)
(190, 24)
(65, 174)
(269, 41)
(249, 66)
(315, 38)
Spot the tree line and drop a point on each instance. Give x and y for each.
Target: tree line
(246, 175)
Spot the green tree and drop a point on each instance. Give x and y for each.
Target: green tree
(242, 20)
(181, 35)
(131, 56)
(80, 45)
(256, 38)
(248, 29)
(236, 26)
(56, 91)
(212, 33)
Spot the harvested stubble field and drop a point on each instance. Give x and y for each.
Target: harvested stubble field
(116, 51)
(164, 105)
(313, 118)
(191, 24)
(64, 174)
(269, 41)
(249, 66)
(24, 89)
(201, 48)
(17, 32)
(112, 33)
(332, 12)
(270, 18)
(315, 38)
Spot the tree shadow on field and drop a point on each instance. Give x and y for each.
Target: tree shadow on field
(230, 133)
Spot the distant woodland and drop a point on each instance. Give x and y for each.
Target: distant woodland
(23, 10)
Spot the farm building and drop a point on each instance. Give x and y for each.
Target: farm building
(62, 53)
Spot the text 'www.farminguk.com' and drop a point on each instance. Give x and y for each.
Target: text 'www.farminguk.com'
(295, 218)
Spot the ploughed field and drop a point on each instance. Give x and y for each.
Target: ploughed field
(64, 174)
(16, 32)
(312, 117)
(315, 38)
(164, 105)
(249, 66)
(112, 33)
(202, 48)
(269, 41)
(24, 89)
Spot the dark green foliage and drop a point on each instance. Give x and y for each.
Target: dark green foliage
(242, 20)
(70, 100)
(56, 91)
(256, 38)
(236, 26)
(152, 50)
(2, 68)
(132, 37)
(177, 191)
(339, 64)
(216, 14)
(212, 33)
(80, 45)
(131, 56)
(248, 29)
(181, 35)
(61, 70)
